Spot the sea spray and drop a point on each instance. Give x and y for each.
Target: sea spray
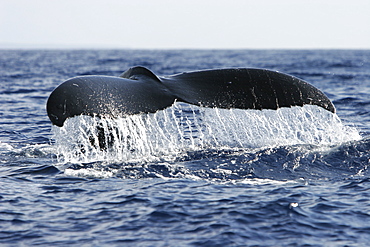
(182, 127)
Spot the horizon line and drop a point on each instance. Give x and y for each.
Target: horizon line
(89, 47)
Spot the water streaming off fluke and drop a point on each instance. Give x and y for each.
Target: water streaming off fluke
(183, 127)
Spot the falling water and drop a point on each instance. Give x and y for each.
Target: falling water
(165, 134)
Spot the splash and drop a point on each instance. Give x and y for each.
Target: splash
(164, 135)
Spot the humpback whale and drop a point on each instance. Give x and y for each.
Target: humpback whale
(139, 90)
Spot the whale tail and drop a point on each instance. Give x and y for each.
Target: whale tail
(139, 90)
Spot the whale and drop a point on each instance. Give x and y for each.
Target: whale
(138, 90)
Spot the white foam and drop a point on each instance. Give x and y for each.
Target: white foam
(89, 172)
(5, 147)
(182, 127)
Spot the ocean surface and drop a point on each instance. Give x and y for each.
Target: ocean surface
(186, 175)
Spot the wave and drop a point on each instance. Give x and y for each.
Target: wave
(301, 163)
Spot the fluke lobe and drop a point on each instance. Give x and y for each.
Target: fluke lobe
(138, 90)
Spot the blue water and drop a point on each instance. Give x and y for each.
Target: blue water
(189, 176)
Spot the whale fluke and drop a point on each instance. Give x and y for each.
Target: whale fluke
(139, 90)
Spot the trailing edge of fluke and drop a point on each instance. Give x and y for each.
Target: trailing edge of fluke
(139, 90)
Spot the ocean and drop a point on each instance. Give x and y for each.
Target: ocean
(186, 175)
